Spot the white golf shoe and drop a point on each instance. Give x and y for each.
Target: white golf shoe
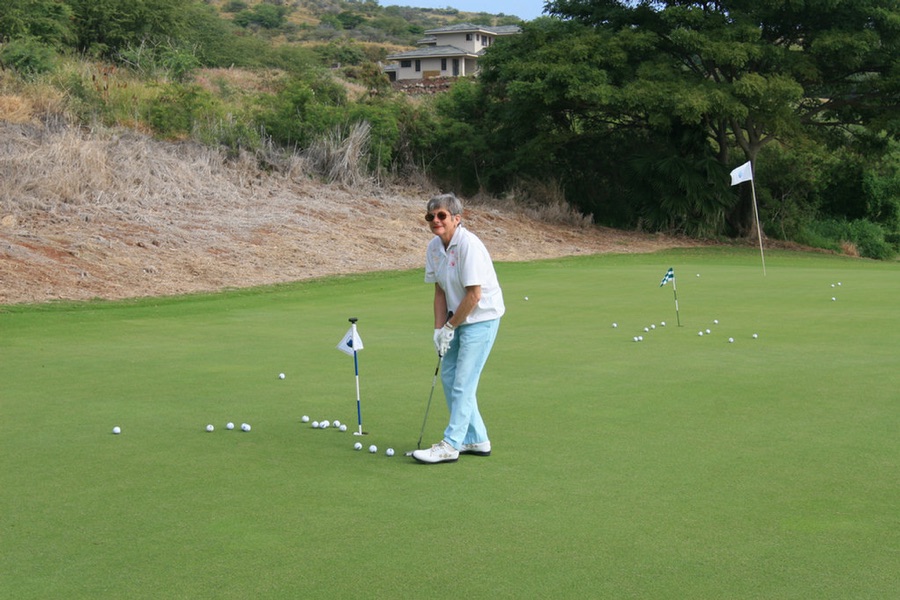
(440, 452)
(477, 449)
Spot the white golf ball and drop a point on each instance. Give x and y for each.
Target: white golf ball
(640, 338)
(839, 283)
(832, 285)
(343, 427)
(324, 425)
(229, 425)
(526, 297)
(635, 338)
(700, 333)
(373, 448)
(615, 325)
(715, 321)
(755, 335)
(210, 428)
(245, 427)
(653, 326)
(730, 340)
(708, 331)
(315, 424)
(647, 329)
(389, 451)
(833, 298)
(337, 424)
(281, 376)
(304, 419)
(663, 323)
(357, 446)
(117, 430)
(698, 274)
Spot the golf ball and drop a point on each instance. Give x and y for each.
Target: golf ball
(833, 298)
(839, 283)
(117, 430)
(343, 427)
(373, 448)
(304, 419)
(730, 340)
(755, 335)
(708, 331)
(389, 452)
(715, 321)
(315, 424)
(832, 285)
(229, 425)
(210, 428)
(245, 427)
(635, 338)
(357, 446)
(700, 333)
(281, 376)
(615, 325)
(663, 323)
(324, 425)
(526, 297)
(653, 326)
(640, 338)
(337, 424)
(646, 329)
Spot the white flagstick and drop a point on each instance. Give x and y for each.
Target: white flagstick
(675, 292)
(758, 229)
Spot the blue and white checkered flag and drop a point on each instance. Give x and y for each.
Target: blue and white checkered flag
(670, 274)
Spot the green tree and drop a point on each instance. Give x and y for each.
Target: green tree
(45, 21)
(104, 27)
(751, 73)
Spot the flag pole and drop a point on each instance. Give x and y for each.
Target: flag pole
(353, 321)
(675, 292)
(758, 228)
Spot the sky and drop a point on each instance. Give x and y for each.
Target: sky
(527, 10)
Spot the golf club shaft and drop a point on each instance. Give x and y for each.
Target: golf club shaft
(437, 369)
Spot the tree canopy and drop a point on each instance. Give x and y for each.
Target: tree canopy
(641, 108)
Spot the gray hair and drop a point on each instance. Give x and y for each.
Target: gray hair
(448, 202)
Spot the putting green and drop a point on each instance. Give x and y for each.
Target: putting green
(682, 466)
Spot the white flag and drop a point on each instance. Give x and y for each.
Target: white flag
(742, 173)
(351, 342)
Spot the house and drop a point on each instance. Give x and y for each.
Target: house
(451, 51)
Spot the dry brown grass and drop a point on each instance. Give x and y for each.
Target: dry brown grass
(118, 215)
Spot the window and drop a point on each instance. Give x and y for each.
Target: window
(405, 64)
(418, 65)
(468, 37)
(443, 64)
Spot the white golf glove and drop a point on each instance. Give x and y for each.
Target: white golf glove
(442, 339)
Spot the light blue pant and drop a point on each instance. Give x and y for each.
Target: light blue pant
(460, 372)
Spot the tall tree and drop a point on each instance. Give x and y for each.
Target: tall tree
(752, 71)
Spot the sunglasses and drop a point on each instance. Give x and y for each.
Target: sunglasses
(440, 216)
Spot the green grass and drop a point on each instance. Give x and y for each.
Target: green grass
(679, 467)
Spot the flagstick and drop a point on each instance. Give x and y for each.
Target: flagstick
(353, 321)
(675, 291)
(758, 229)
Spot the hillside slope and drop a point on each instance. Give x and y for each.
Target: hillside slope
(121, 215)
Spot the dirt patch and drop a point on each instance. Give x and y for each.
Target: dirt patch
(84, 216)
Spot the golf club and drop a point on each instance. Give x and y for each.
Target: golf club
(437, 368)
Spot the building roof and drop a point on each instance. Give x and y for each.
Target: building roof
(466, 27)
(431, 52)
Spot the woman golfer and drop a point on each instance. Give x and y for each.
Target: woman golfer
(465, 284)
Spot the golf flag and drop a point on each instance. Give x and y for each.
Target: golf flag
(670, 274)
(742, 173)
(351, 342)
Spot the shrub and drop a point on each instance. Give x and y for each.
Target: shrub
(28, 57)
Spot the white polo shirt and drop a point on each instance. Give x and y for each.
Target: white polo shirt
(464, 263)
